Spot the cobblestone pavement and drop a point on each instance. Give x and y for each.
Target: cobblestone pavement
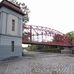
(39, 63)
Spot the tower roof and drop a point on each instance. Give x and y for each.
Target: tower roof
(11, 6)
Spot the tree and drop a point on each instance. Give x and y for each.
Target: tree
(24, 9)
(70, 35)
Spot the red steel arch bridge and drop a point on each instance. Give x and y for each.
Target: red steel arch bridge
(44, 36)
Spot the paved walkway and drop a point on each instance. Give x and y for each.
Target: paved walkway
(39, 63)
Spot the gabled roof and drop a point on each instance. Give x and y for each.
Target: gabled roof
(11, 6)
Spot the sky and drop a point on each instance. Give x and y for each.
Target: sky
(55, 14)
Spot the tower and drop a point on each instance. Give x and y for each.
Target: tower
(10, 30)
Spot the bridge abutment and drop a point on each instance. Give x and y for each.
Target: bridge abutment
(66, 50)
(72, 50)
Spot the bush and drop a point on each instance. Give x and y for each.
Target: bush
(42, 48)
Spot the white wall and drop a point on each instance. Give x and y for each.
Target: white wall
(9, 25)
(4, 21)
(7, 35)
(6, 40)
(0, 23)
(5, 47)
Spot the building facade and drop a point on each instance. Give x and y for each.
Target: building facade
(10, 30)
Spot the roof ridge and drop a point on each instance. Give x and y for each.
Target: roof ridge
(11, 3)
(11, 6)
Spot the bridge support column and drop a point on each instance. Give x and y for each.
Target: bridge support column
(66, 50)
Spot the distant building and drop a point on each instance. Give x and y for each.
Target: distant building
(10, 30)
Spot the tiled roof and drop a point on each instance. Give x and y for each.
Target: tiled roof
(11, 6)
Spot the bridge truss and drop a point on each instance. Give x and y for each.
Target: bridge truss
(43, 36)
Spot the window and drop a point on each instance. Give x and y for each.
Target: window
(13, 25)
(12, 46)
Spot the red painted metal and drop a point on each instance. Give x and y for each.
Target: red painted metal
(43, 36)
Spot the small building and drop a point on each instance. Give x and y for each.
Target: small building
(10, 30)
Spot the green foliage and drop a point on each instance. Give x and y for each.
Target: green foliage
(24, 9)
(42, 48)
(53, 49)
(32, 48)
(70, 35)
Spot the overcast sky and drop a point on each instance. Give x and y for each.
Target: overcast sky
(55, 14)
